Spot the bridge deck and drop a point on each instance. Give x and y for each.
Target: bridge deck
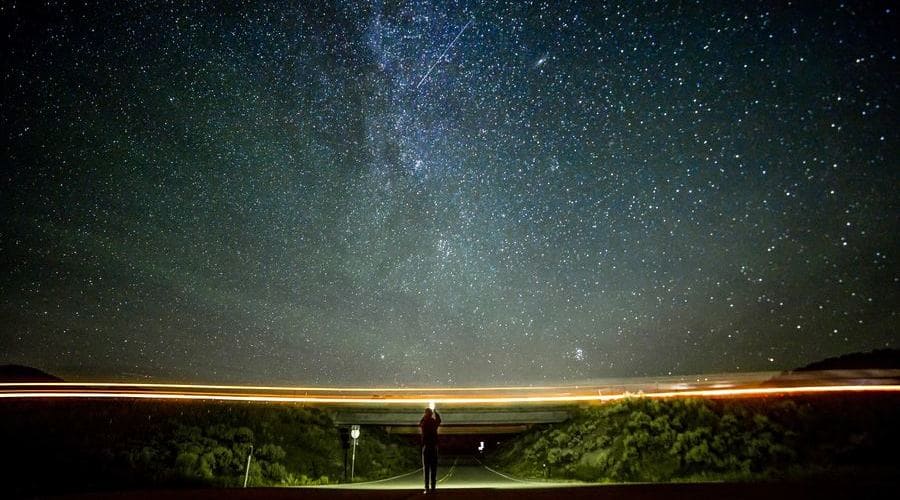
(453, 417)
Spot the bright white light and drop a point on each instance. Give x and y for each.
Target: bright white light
(431, 405)
(354, 432)
(481, 446)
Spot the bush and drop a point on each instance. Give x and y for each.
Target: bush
(641, 439)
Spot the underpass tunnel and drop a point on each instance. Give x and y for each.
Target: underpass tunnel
(465, 442)
(465, 432)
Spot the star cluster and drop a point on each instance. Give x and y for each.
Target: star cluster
(446, 193)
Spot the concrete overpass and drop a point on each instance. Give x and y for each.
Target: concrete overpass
(467, 420)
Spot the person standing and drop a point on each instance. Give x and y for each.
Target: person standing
(428, 426)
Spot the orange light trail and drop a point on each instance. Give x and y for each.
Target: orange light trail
(421, 400)
(283, 388)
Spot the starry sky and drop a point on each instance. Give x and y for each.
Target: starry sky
(442, 193)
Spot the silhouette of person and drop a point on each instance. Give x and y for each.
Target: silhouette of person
(428, 426)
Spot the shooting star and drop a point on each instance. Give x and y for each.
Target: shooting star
(447, 49)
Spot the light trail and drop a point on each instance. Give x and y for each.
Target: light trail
(452, 401)
(719, 380)
(286, 388)
(444, 53)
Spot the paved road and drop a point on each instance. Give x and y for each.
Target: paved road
(453, 473)
(465, 478)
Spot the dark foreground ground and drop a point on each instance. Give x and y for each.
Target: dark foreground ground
(737, 491)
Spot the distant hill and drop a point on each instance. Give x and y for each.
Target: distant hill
(19, 373)
(879, 359)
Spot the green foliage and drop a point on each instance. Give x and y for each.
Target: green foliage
(650, 440)
(160, 444)
(218, 454)
(302, 480)
(379, 455)
(292, 446)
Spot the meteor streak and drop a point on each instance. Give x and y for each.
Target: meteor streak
(444, 53)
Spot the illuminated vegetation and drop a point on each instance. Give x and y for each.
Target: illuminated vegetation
(652, 440)
(112, 445)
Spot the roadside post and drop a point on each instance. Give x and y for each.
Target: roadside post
(354, 433)
(247, 472)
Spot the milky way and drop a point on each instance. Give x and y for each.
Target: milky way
(264, 191)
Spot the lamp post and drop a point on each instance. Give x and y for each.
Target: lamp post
(247, 472)
(354, 433)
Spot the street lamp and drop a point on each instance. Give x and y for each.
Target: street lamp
(354, 433)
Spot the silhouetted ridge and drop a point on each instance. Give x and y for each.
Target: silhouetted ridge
(880, 359)
(19, 373)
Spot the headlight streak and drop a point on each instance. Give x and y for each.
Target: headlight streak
(280, 388)
(54, 391)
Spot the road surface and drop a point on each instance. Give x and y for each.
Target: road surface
(453, 473)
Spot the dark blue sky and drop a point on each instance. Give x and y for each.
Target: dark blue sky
(273, 192)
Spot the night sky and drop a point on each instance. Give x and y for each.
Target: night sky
(454, 194)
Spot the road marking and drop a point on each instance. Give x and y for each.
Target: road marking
(450, 473)
(505, 476)
(352, 485)
(386, 479)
